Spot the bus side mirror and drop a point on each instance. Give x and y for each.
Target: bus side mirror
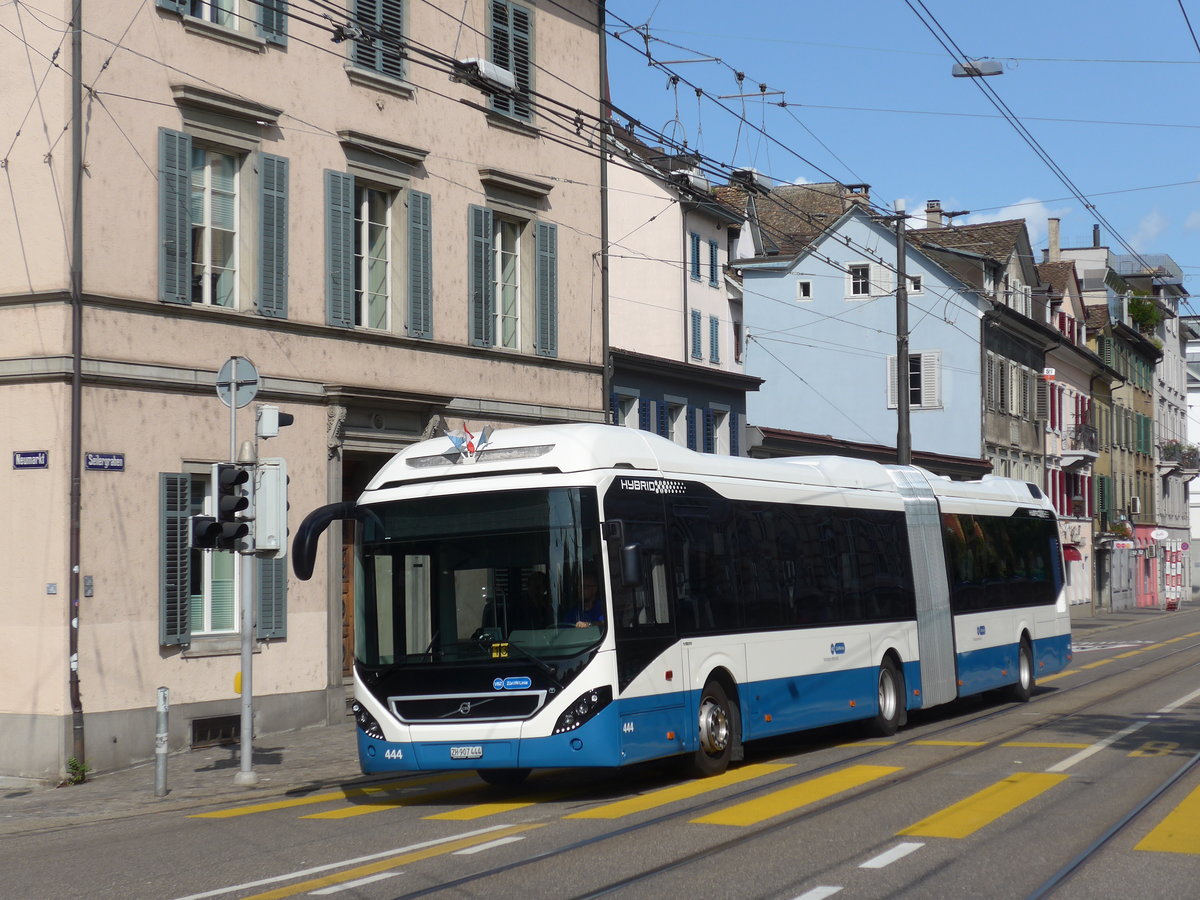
(631, 565)
(304, 546)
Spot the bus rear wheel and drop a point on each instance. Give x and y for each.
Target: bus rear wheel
(1022, 690)
(503, 777)
(891, 698)
(715, 732)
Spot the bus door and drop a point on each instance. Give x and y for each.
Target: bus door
(650, 678)
(935, 626)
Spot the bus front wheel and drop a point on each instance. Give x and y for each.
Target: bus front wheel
(891, 698)
(715, 731)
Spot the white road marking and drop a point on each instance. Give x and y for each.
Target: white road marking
(478, 848)
(1097, 747)
(887, 858)
(819, 893)
(303, 873)
(350, 885)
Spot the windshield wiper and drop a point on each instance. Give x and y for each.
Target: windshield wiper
(485, 641)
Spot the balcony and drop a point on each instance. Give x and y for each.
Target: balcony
(1081, 446)
(1178, 458)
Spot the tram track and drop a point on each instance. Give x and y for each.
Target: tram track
(889, 783)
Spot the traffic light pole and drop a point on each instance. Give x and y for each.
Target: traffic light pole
(243, 587)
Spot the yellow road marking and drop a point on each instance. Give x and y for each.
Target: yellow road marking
(1179, 832)
(870, 744)
(783, 801)
(391, 862)
(1063, 674)
(362, 809)
(1096, 665)
(1046, 745)
(481, 810)
(1130, 653)
(968, 816)
(948, 743)
(343, 794)
(676, 792)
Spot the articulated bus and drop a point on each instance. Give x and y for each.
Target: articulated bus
(592, 595)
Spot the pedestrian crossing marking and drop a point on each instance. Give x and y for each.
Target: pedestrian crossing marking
(393, 802)
(342, 794)
(481, 810)
(792, 798)
(684, 791)
(949, 743)
(984, 807)
(1179, 832)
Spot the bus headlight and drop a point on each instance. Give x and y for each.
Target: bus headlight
(583, 708)
(366, 721)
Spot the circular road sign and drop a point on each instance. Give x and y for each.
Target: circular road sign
(1159, 534)
(238, 379)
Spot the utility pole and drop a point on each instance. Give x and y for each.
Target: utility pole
(903, 425)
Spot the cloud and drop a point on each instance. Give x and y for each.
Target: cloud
(1033, 211)
(1192, 223)
(1152, 225)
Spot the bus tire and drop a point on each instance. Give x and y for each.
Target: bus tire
(714, 731)
(891, 698)
(503, 777)
(1022, 689)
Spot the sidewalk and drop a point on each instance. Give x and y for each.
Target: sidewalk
(298, 763)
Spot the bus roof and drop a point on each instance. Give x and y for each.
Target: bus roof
(585, 447)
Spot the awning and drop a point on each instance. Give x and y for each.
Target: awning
(1071, 553)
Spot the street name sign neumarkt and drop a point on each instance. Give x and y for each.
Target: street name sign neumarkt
(31, 459)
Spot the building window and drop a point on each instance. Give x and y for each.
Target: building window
(803, 291)
(372, 257)
(695, 261)
(196, 587)
(677, 424)
(512, 49)
(713, 268)
(214, 213)
(219, 12)
(916, 284)
(859, 279)
(267, 18)
(922, 381)
(513, 282)
(378, 49)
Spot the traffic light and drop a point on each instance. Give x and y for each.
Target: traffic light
(202, 533)
(271, 506)
(231, 503)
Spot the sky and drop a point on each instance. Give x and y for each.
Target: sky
(1106, 91)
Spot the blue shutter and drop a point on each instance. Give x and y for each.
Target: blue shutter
(696, 334)
(734, 432)
(174, 558)
(273, 227)
(174, 216)
(272, 21)
(382, 22)
(479, 278)
(695, 261)
(714, 339)
(546, 302)
(512, 49)
(691, 427)
(710, 431)
(420, 265)
(664, 424)
(643, 414)
(712, 263)
(272, 597)
(339, 248)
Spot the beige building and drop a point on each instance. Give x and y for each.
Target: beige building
(363, 208)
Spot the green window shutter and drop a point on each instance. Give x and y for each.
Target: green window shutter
(174, 216)
(695, 262)
(712, 263)
(339, 248)
(714, 339)
(479, 278)
(383, 24)
(512, 49)
(272, 21)
(272, 598)
(273, 236)
(546, 238)
(175, 6)
(174, 560)
(420, 265)
(696, 334)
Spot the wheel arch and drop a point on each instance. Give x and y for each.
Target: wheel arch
(728, 682)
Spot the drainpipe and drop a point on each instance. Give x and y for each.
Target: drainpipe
(77, 742)
(605, 111)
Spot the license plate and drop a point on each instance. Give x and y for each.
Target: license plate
(475, 752)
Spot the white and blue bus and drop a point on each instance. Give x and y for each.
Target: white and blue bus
(590, 595)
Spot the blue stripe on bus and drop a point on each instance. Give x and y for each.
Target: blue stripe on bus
(984, 670)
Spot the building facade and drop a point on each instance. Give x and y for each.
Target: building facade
(399, 238)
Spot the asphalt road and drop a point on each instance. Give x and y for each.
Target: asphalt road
(983, 798)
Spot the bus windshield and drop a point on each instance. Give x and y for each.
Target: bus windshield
(468, 577)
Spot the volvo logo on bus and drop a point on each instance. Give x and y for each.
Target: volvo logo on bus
(464, 708)
(512, 683)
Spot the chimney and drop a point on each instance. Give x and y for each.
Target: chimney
(1054, 254)
(1095, 235)
(933, 214)
(859, 193)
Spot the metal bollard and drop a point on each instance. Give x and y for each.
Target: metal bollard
(160, 744)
